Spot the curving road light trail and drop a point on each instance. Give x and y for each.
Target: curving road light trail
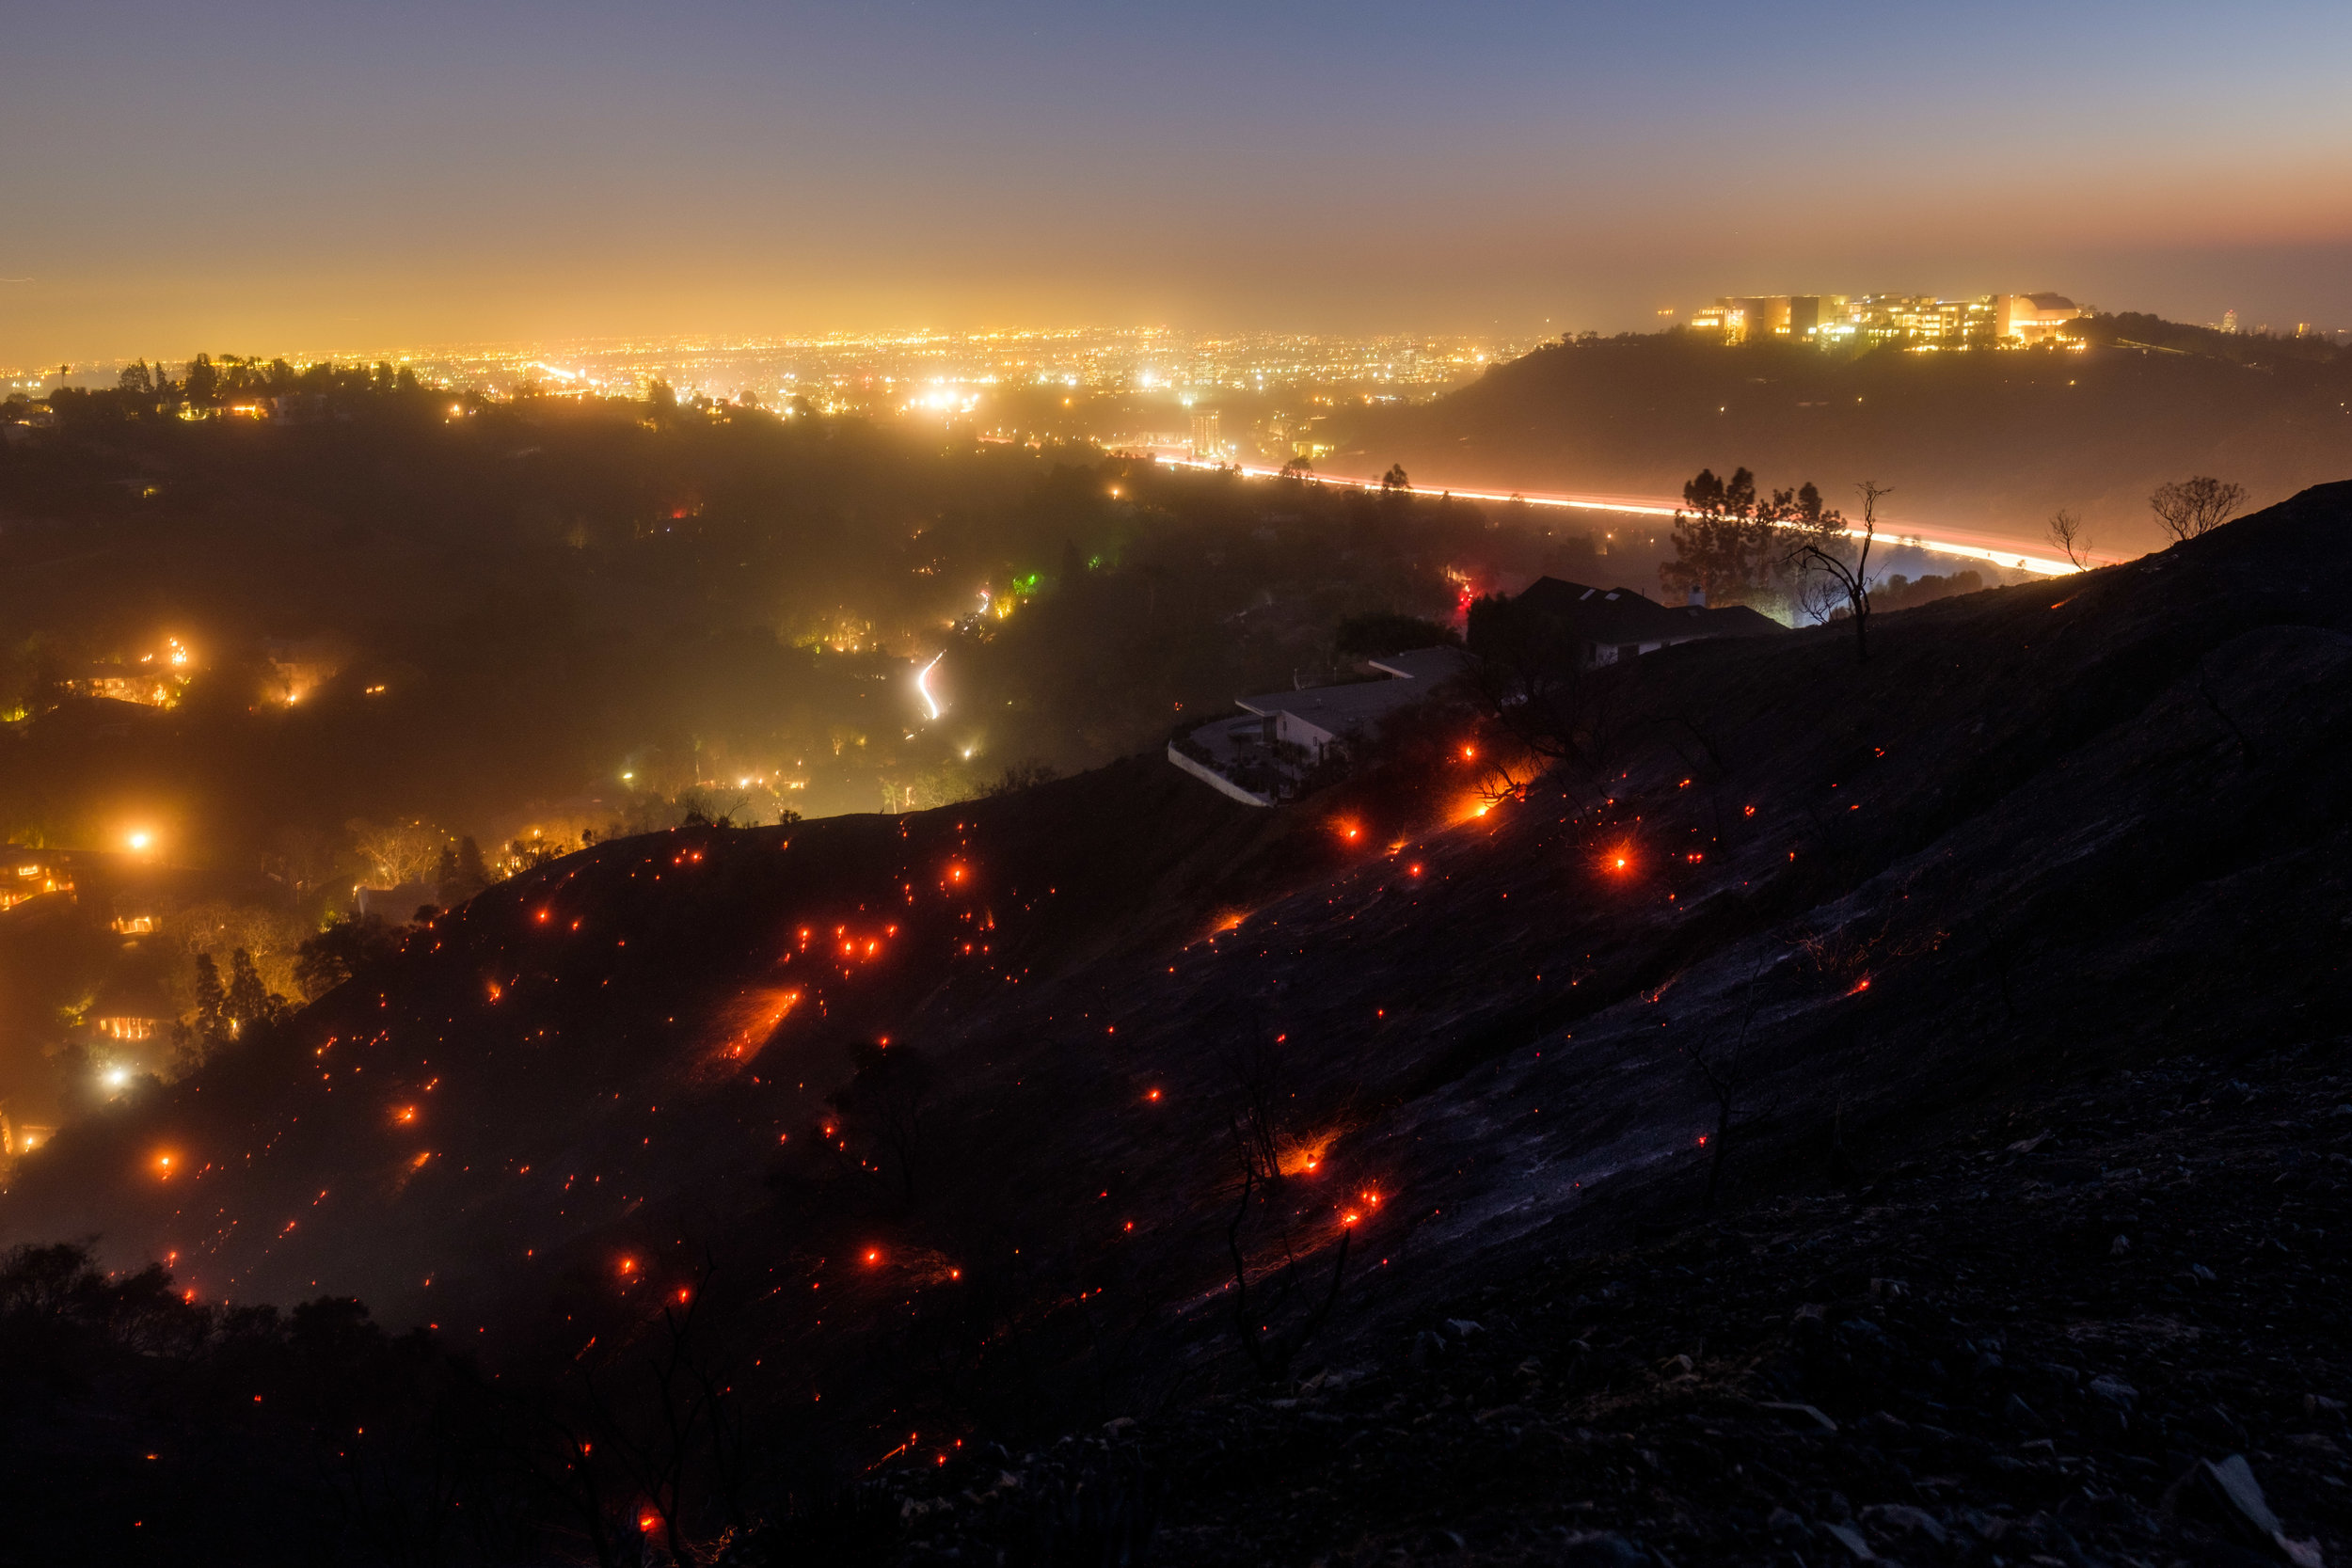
(923, 684)
(1978, 547)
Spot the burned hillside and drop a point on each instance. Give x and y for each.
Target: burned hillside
(1800, 924)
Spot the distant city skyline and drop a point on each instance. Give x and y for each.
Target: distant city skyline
(263, 175)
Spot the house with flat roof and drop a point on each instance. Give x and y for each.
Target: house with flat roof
(1258, 757)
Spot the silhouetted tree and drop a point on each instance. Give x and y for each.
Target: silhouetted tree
(1395, 481)
(1731, 544)
(2188, 508)
(251, 1002)
(1827, 555)
(2067, 532)
(1388, 632)
(212, 1002)
(334, 954)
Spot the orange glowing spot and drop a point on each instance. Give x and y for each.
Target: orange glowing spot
(1620, 862)
(543, 917)
(681, 1296)
(1153, 1095)
(628, 1266)
(1129, 1225)
(649, 1522)
(405, 1114)
(873, 1255)
(1348, 1218)
(1861, 984)
(1702, 1140)
(1748, 811)
(1414, 869)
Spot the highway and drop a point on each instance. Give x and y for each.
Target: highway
(1991, 547)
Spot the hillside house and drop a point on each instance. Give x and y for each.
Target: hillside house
(1258, 757)
(1604, 625)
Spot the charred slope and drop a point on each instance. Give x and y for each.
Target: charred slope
(1806, 904)
(1992, 441)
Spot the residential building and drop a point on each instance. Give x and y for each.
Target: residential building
(396, 906)
(29, 873)
(1258, 757)
(1609, 625)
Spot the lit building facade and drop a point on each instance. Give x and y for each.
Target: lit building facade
(1916, 320)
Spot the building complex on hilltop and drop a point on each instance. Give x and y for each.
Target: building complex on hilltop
(1921, 320)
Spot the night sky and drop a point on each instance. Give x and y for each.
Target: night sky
(318, 177)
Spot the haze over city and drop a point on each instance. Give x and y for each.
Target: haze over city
(360, 180)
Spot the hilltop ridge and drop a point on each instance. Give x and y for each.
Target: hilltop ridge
(1992, 440)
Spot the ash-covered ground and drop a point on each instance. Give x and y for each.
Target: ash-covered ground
(1669, 1054)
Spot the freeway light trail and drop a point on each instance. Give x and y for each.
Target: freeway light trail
(1977, 546)
(922, 684)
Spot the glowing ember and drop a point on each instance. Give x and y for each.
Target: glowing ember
(1153, 1095)
(873, 1255)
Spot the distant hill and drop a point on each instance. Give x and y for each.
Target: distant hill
(2041, 830)
(1992, 441)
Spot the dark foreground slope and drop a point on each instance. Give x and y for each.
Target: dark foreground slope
(2070, 857)
(1989, 442)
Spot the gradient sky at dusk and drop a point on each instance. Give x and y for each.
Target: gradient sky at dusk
(337, 177)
